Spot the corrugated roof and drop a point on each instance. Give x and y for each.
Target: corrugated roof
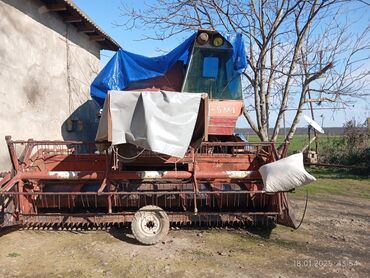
(72, 14)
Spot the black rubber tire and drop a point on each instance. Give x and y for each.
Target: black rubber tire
(150, 225)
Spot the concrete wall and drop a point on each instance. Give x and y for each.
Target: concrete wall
(46, 68)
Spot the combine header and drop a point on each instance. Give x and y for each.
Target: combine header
(174, 163)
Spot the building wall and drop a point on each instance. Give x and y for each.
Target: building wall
(46, 68)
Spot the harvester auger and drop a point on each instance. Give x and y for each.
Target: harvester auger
(73, 184)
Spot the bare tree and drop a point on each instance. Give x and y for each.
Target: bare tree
(298, 52)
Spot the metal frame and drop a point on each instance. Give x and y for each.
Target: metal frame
(213, 164)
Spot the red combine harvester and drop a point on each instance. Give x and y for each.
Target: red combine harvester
(73, 184)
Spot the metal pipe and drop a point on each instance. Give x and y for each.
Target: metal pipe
(138, 175)
(136, 193)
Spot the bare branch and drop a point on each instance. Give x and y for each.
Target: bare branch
(298, 51)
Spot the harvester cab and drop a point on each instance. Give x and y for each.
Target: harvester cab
(164, 152)
(210, 68)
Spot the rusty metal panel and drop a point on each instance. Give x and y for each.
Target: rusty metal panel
(223, 115)
(216, 183)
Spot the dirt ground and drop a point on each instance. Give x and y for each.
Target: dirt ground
(333, 241)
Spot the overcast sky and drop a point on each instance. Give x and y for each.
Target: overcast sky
(107, 13)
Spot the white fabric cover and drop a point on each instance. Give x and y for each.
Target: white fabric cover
(159, 121)
(285, 174)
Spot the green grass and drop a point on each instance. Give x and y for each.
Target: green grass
(200, 253)
(336, 182)
(298, 142)
(333, 173)
(13, 255)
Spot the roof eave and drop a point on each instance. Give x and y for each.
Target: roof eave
(72, 14)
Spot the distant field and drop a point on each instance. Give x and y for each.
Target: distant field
(299, 141)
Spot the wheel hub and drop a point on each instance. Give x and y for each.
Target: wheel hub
(150, 224)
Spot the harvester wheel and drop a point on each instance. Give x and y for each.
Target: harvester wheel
(150, 225)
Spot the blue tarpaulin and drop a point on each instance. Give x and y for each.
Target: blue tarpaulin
(126, 67)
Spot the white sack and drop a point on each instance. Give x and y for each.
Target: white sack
(285, 174)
